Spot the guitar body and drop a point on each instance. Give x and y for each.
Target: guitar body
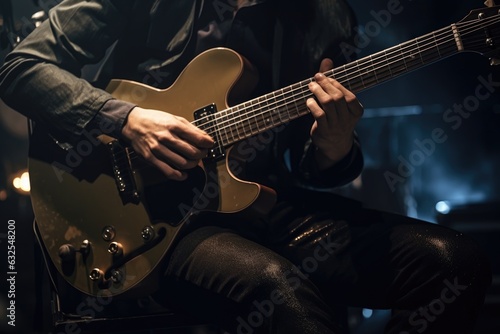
(107, 225)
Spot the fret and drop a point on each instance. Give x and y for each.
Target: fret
(297, 90)
(429, 53)
(403, 58)
(396, 61)
(251, 116)
(283, 109)
(388, 65)
(260, 115)
(274, 113)
(261, 107)
(259, 120)
(345, 76)
(359, 75)
(271, 111)
(373, 69)
(234, 124)
(277, 109)
(255, 112)
(305, 94)
(273, 106)
(367, 76)
(225, 126)
(233, 112)
(346, 82)
(412, 59)
(436, 44)
(384, 68)
(251, 120)
(288, 94)
(244, 122)
(266, 117)
(418, 51)
(380, 67)
(302, 93)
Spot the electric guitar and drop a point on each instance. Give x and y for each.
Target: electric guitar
(107, 219)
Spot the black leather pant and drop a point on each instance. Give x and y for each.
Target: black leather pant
(293, 270)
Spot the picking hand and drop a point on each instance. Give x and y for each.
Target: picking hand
(169, 142)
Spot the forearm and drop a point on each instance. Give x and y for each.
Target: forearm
(40, 78)
(46, 94)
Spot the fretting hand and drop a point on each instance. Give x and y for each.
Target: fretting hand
(336, 111)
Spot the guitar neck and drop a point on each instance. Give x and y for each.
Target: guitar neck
(281, 106)
(398, 60)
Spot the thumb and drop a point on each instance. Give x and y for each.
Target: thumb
(326, 64)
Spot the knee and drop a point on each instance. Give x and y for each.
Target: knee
(275, 277)
(461, 259)
(472, 259)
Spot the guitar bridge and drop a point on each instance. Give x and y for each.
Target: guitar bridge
(124, 178)
(207, 122)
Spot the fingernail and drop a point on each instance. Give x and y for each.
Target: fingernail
(319, 76)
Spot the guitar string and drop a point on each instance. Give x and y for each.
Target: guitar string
(276, 101)
(432, 38)
(274, 95)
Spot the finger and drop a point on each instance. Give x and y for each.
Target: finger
(194, 135)
(170, 142)
(318, 113)
(178, 153)
(344, 99)
(330, 97)
(354, 106)
(326, 65)
(169, 171)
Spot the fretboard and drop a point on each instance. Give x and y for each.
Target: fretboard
(281, 106)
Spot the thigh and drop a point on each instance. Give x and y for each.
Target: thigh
(366, 257)
(222, 277)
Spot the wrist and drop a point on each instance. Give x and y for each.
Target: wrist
(329, 156)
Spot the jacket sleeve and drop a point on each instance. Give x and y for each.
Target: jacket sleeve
(340, 174)
(40, 78)
(295, 153)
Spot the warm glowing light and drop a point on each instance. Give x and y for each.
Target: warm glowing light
(22, 182)
(3, 195)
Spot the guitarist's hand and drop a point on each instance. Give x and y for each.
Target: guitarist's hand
(336, 111)
(170, 143)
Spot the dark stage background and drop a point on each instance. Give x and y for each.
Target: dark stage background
(452, 181)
